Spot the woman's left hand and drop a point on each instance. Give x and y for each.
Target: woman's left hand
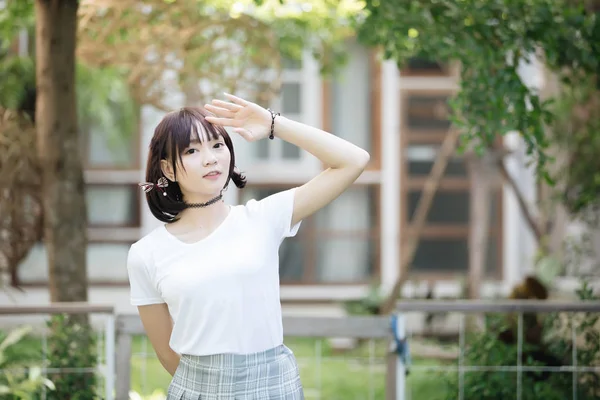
(249, 120)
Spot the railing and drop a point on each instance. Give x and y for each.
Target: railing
(357, 327)
(105, 364)
(464, 308)
(395, 332)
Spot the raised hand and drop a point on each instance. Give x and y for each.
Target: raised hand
(249, 120)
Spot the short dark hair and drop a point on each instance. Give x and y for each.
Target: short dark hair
(171, 137)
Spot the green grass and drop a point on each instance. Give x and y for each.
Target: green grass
(343, 376)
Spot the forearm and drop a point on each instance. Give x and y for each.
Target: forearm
(170, 362)
(328, 148)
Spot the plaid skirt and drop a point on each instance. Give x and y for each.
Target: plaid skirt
(268, 375)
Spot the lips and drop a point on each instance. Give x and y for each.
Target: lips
(212, 174)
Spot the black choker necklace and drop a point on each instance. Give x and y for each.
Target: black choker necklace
(202, 205)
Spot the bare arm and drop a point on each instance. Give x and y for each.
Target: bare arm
(158, 326)
(345, 163)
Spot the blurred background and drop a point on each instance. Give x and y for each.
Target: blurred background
(481, 118)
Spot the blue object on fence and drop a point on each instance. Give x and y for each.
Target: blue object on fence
(402, 347)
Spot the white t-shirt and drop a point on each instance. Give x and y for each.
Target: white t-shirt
(223, 291)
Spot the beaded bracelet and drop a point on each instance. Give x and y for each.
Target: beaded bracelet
(273, 115)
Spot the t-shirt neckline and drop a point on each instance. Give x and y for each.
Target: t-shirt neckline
(203, 240)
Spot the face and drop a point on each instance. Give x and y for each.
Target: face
(204, 166)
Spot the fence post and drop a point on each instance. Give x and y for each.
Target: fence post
(124, 350)
(399, 331)
(109, 349)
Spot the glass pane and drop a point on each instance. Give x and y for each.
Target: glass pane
(451, 255)
(108, 151)
(452, 207)
(291, 260)
(291, 98)
(455, 168)
(421, 65)
(428, 112)
(350, 100)
(290, 151)
(422, 157)
(355, 210)
(447, 207)
(105, 262)
(447, 255)
(112, 205)
(349, 259)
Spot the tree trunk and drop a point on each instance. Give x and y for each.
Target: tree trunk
(64, 205)
(418, 223)
(479, 222)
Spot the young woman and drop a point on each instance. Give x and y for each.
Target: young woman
(206, 283)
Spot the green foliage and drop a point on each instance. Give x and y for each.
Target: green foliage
(72, 344)
(22, 376)
(319, 26)
(105, 103)
(17, 75)
(368, 305)
(489, 38)
(485, 349)
(15, 15)
(577, 128)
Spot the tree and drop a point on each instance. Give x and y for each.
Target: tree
(489, 40)
(58, 145)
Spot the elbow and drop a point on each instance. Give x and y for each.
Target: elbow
(362, 159)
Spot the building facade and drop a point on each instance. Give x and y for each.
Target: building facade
(399, 116)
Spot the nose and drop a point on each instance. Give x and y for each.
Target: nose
(209, 158)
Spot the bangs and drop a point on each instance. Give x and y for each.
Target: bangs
(188, 126)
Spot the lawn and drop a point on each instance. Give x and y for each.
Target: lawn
(352, 375)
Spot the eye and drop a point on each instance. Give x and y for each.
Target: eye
(218, 145)
(190, 151)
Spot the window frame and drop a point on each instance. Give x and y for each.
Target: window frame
(409, 183)
(136, 201)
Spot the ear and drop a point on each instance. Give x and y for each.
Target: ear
(167, 170)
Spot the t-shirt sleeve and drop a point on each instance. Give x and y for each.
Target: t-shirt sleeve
(277, 210)
(143, 290)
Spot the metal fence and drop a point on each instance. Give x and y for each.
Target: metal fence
(378, 371)
(37, 316)
(369, 366)
(519, 309)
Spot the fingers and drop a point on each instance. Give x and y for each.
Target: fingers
(227, 105)
(221, 112)
(223, 121)
(236, 99)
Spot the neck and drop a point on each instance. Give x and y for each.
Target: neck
(205, 216)
(204, 210)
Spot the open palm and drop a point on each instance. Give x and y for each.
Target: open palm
(249, 120)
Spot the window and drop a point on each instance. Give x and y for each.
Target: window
(421, 66)
(339, 244)
(113, 205)
(116, 149)
(352, 102)
(290, 103)
(444, 242)
(105, 263)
